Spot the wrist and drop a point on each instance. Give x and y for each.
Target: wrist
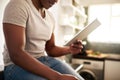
(69, 50)
(55, 76)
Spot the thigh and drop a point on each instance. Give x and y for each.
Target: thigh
(63, 67)
(13, 72)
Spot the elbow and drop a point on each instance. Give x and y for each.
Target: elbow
(16, 56)
(50, 52)
(51, 55)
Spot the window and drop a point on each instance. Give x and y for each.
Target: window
(109, 16)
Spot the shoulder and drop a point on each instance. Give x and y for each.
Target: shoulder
(17, 4)
(16, 12)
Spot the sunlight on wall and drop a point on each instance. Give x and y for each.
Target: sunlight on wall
(109, 16)
(2, 6)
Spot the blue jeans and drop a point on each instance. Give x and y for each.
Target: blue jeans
(14, 72)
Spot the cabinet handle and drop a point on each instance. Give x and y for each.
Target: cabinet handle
(87, 62)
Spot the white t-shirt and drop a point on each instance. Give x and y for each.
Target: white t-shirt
(38, 29)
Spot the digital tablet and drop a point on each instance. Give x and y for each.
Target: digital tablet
(85, 32)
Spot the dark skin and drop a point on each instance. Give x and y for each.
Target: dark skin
(15, 39)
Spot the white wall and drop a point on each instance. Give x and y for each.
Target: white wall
(93, 2)
(2, 6)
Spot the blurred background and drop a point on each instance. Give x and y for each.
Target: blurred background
(100, 58)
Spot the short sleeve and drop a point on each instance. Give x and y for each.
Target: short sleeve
(16, 13)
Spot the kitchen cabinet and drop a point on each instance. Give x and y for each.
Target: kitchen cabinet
(71, 18)
(112, 70)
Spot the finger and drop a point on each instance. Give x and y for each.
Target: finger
(78, 42)
(77, 46)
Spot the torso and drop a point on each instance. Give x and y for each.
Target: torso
(38, 28)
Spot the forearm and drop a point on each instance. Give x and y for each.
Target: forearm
(31, 64)
(58, 51)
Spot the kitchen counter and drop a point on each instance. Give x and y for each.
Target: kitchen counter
(113, 57)
(106, 56)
